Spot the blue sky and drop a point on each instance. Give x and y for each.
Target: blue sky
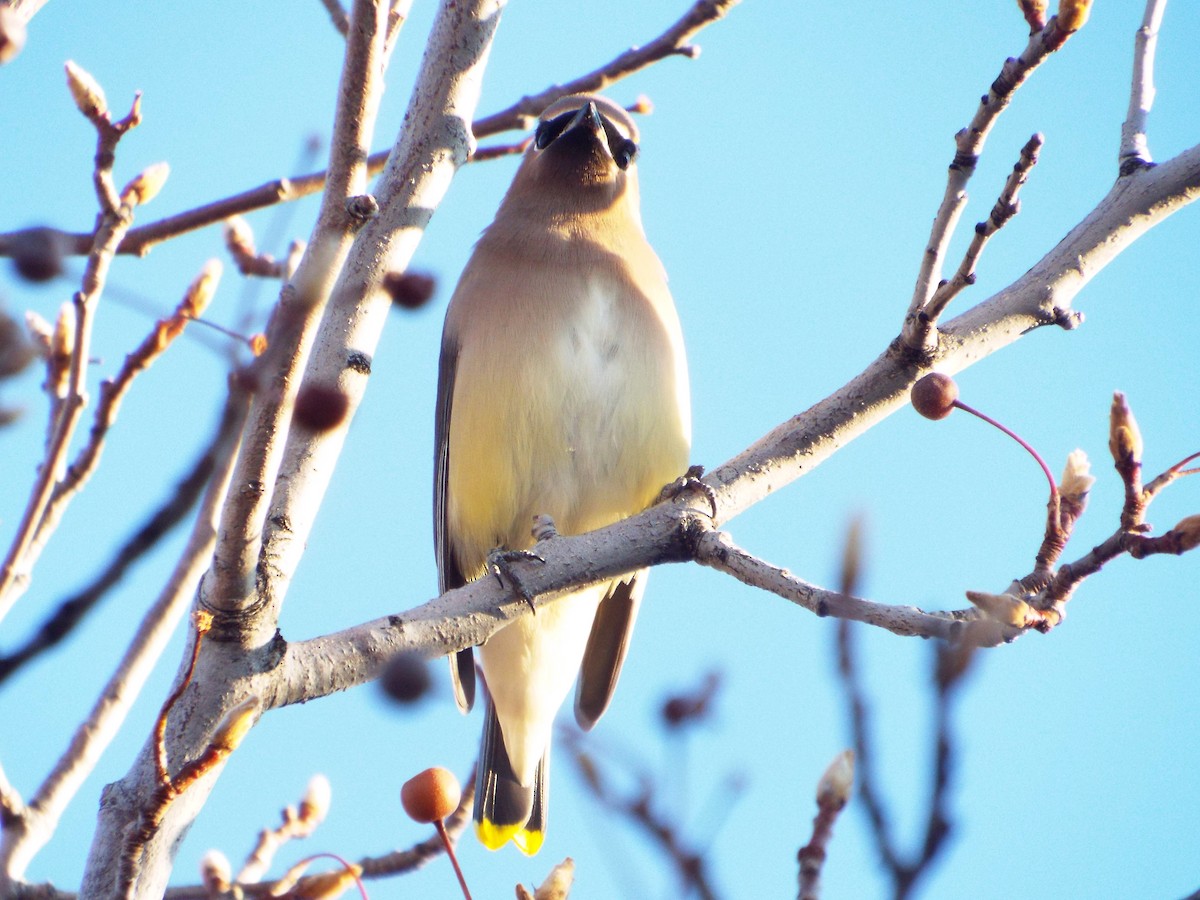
(789, 176)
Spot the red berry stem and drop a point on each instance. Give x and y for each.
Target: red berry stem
(1016, 437)
(462, 882)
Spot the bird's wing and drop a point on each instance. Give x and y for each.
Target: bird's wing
(606, 648)
(462, 667)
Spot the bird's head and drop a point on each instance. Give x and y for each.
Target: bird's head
(584, 145)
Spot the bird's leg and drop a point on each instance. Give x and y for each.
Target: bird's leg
(689, 481)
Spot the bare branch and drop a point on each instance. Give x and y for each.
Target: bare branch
(159, 524)
(1007, 206)
(301, 303)
(969, 143)
(1042, 296)
(718, 551)
(337, 15)
(116, 215)
(833, 792)
(398, 862)
(20, 843)
(951, 662)
(142, 239)
(672, 42)
(434, 142)
(638, 808)
(1135, 148)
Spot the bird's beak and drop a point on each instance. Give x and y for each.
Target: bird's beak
(587, 117)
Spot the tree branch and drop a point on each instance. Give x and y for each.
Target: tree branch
(116, 215)
(24, 837)
(1135, 149)
(918, 331)
(519, 116)
(294, 323)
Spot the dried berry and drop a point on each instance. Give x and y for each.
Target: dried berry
(320, 407)
(406, 678)
(409, 290)
(934, 395)
(431, 795)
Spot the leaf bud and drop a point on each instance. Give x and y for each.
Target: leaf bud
(86, 92)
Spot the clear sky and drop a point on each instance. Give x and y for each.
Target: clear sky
(789, 176)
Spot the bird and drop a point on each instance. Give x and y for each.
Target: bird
(562, 392)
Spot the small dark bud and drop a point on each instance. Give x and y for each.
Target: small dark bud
(409, 290)
(320, 408)
(676, 711)
(38, 254)
(934, 395)
(362, 207)
(406, 678)
(690, 708)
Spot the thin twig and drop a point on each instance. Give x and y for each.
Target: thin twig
(833, 792)
(1135, 148)
(518, 116)
(950, 666)
(638, 809)
(112, 393)
(717, 550)
(104, 720)
(969, 143)
(337, 15)
(116, 215)
(174, 508)
(1007, 206)
(672, 42)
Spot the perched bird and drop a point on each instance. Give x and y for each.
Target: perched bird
(562, 390)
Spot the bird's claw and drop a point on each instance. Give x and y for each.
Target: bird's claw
(690, 481)
(500, 563)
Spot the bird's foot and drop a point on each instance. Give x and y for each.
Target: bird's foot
(500, 564)
(690, 481)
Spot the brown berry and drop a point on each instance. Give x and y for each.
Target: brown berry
(38, 254)
(934, 395)
(406, 678)
(409, 290)
(431, 795)
(320, 407)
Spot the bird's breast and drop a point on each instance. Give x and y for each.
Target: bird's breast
(578, 411)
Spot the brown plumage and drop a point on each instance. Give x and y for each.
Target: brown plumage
(562, 391)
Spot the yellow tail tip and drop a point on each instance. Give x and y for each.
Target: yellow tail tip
(529, 842)
(495, 836)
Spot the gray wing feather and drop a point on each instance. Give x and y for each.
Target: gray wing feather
(462, 667)
(606, 648)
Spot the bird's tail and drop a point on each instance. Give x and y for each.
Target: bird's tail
(505, 809)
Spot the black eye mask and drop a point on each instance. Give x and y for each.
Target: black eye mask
(623, 150)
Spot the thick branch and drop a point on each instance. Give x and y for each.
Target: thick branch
(1042, 296)
(434, 142)
(293, 325)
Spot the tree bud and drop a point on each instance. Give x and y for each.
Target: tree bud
(86, 92)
